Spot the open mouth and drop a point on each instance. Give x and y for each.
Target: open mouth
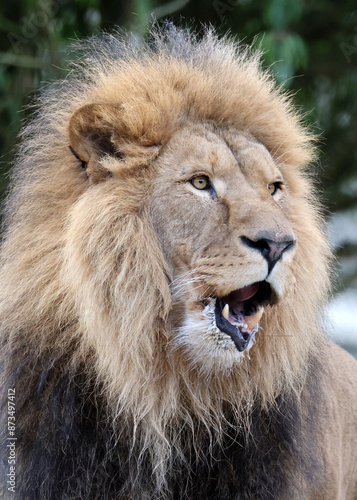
(239, 312)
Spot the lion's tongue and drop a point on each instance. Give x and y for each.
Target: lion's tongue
(245, 293)
(235, 301)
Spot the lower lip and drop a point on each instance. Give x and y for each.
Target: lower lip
(240, 342)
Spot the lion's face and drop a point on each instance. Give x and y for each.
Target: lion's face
(220, 208)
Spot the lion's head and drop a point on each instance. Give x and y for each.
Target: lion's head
(164, 224)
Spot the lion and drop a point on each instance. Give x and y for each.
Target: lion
(164, 270)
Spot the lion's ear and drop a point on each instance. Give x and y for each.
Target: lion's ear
(94, 131)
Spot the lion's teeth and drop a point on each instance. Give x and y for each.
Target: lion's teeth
(225, 312)
(255, 318)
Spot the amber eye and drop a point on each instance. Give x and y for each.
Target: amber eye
(273, 187)
(200, 182)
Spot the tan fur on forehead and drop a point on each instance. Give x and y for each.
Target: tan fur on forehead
(83, 264)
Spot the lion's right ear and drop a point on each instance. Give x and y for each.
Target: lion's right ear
(94, 131)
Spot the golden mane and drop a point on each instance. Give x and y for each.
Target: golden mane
(83, 275)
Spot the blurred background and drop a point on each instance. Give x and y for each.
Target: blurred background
(311, 46)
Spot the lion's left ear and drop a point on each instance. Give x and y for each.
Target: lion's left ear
(94, 131)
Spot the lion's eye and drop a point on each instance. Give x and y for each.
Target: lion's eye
(273, 187)
(201, 182)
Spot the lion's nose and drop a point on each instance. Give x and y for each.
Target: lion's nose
(270, 249)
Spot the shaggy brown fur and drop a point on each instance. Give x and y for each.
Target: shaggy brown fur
(112, 261)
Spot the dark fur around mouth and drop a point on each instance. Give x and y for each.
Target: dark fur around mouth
(241, 308)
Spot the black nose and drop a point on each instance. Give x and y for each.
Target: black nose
(271, 250)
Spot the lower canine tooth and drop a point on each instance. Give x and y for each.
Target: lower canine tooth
(253, 320)
(225, 312)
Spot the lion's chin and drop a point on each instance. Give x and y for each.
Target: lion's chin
(216, 343)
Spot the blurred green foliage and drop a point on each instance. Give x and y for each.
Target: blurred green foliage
(311, 47)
